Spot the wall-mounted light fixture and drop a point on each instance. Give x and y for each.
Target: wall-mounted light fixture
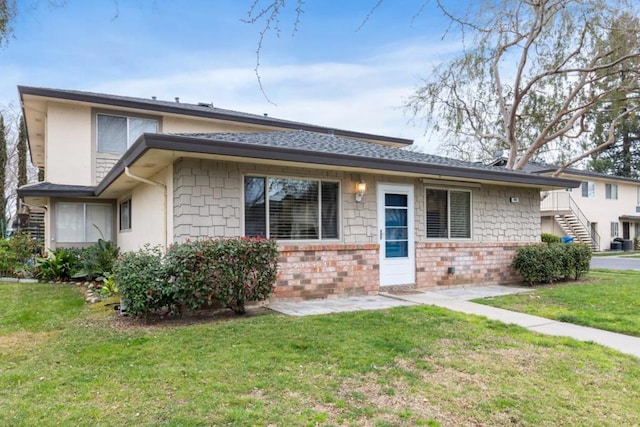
(361, 187)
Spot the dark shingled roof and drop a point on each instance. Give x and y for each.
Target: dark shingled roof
(321, 143)
(48, 189)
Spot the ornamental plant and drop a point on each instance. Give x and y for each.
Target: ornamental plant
(547, 263)
(226, 272)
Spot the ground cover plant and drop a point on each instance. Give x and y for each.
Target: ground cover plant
(606, 300)
(81, 366)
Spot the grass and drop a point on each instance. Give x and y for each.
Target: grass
(609, 300)
(65, 364)
(627, 254)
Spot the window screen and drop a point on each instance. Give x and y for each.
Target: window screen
(288, 209)
(448, 214)
(83, 222)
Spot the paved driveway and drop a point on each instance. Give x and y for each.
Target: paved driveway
(615, 263)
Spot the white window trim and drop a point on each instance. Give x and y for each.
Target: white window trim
(267, 218)
(128, 118)
(610, 194)
(84, 221)
(449, 238)
(591, 190)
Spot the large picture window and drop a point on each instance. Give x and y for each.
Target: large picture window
(448, 214)
(117, 133)
(83, 222)
(287, 209)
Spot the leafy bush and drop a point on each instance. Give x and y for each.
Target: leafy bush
(229, 272)
(56, 265)
(140, 278)
(550, 238)
(96, 261)
(547, 263)
(226, 272)
(17, 254)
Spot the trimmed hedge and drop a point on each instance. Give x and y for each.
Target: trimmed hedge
(223, 272)
(551, 262)
(550, 238)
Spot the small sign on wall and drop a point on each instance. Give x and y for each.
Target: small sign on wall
(514, 199)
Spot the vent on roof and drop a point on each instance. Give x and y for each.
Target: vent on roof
(204, 104)
(178, 99)
(265, 114)
(154, 98)
(331, 132)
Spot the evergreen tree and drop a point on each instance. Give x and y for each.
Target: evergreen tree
(22, 154)
(3, 169)
(622, 158)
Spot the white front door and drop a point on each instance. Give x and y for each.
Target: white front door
(396, 234)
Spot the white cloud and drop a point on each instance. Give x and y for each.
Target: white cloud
(364, 95)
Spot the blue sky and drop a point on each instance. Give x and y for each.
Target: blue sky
(329, 73)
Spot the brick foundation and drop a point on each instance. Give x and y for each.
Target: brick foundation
(475, 264)
(327, 271)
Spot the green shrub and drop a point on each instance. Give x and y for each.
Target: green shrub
(96, 261)
(548, 263)
(140, 279)
(550, 238)
(56, 265)
(17, 255)
(228, 272)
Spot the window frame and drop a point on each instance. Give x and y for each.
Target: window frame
(84, 241)
(615, 229)
(320, 181)
(128, 118)
(448, 191)
(121, 204)
(611, 190)
(590, 189)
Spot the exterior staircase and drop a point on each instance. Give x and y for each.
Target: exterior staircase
(567, 214)
(573, 227)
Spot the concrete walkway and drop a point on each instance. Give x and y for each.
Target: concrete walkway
(458, 300)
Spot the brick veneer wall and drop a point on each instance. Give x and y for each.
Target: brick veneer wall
(476, 263)
(327, 271)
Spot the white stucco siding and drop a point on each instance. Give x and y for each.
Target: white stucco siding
(601, 211)
(69, 148)
(147, 214)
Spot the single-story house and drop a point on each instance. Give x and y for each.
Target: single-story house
(353, 212)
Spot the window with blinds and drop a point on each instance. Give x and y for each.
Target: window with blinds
(291, 209)
(448, 214)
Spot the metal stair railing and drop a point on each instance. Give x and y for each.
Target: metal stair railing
(563, 200)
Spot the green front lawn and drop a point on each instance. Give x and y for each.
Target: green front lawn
(607, 300)
(65, 364)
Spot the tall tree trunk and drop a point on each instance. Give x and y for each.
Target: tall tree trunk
(3, 176)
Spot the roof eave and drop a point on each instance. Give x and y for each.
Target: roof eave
(211, 146)
(151, 106)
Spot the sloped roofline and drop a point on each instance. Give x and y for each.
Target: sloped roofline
(212, 146)
(203, 111)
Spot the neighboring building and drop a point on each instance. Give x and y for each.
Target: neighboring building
(603, 208)
(353, 212)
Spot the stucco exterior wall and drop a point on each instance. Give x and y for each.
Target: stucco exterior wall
(69, 149)
(147, 218)
(601, 211)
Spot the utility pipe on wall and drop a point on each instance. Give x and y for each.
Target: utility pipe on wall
(164, 199)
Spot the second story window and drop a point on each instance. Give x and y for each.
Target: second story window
(117, 133)
(611, 191)
(588, 189)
